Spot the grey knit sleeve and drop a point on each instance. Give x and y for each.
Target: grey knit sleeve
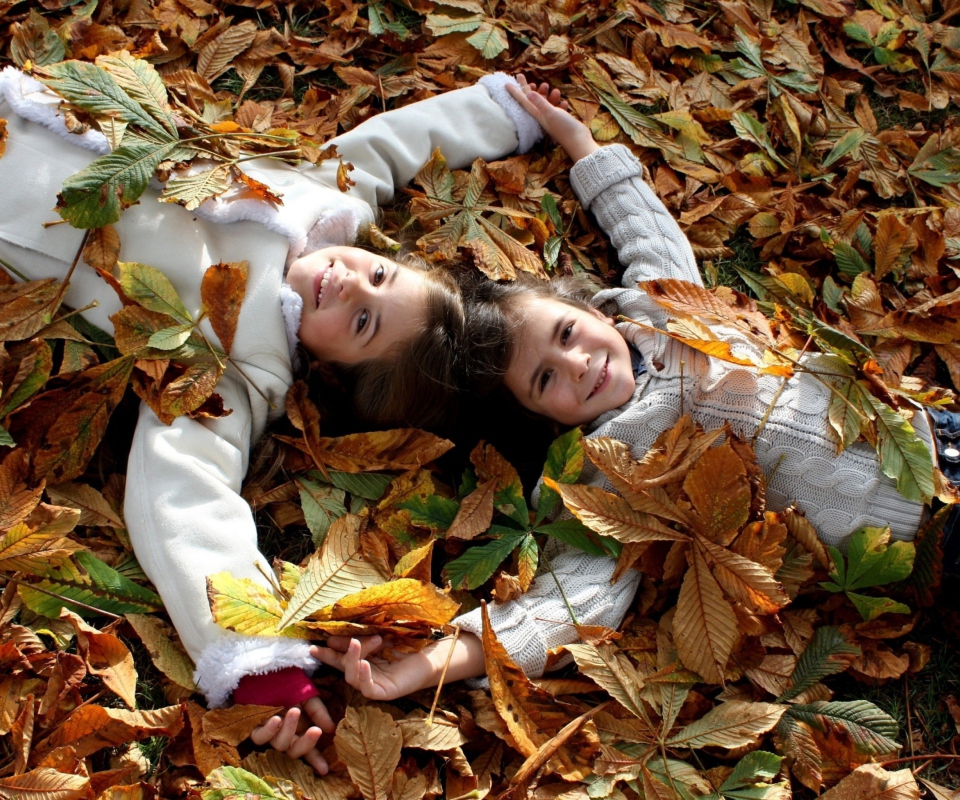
(539, 620)
(649, 242)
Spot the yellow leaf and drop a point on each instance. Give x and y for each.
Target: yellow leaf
(336, 570)
(402, 600)
(244, 606)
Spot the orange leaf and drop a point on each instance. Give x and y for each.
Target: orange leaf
(221, 292)
(107, 657)
(718, 488)
(233, 725)
(532, 715)
(344, 181)
(91, 728)
(475, 513)
(402, 600)
(17, 499)
(102, 250)
(45, 783)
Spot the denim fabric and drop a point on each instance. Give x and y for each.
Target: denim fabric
(637, 362)
(946, 429)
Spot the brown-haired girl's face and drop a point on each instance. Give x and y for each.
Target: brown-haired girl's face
(357, 305)
(569, 365)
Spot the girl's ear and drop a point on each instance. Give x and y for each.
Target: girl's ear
(600, 315)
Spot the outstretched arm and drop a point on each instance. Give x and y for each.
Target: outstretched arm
(609, 181)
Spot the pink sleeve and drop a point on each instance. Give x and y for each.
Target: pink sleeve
(285, 687)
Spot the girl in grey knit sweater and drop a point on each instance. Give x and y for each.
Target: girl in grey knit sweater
(572, 364)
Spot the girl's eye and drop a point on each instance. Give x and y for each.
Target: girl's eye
(565, 336)
(362, 321)
(379, 275)
(545, 379)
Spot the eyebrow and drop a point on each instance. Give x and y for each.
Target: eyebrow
(376, 323)
(539, 368)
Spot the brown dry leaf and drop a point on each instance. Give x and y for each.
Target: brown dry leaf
(344, 181)
(214, 59)
(17, 497)
(27, 307)
(233, 725)
(102, 250)
(106, 657)
(368, 742)
(400, 449)
(744, 580)
(169, 657)
(92, 727)
(440, 734)
(873, 781)
(45, 783)
(532, 716)
(21, 734)
(718, 488)
(475, 513)
(222, 291)
(705, 627)
(609, 515)
(39, 540)
(520, 782)
(3, 136)
(416, 564)
(93, 507)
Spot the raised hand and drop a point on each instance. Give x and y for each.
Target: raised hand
(546, 107)
(297, 732)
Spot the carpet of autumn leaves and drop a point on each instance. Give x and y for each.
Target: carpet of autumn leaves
(808, 150)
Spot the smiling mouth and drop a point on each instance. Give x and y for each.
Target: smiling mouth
(601, 379)
(324, 279)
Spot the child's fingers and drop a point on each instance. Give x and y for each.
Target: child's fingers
(365, 682)
(304, 743)
(317, 761)
(338, 643)
(328, 656)
(319, 715)
(351, 663)
(265, 732)
(288, 731)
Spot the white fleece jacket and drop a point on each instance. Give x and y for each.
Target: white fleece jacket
(183, 507)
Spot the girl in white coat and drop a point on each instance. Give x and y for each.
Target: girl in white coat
(183, 507)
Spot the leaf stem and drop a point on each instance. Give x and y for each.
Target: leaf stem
(73, 266)
(14, 270)
(546, 560)
(443, 674)
(270, 404)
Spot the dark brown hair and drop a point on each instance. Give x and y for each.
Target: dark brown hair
(416, 383)
(494, 322)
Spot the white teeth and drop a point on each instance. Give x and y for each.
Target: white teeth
(603, 375)
(323, 285)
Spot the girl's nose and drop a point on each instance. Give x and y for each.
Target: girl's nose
(348, 284)
(579, 363)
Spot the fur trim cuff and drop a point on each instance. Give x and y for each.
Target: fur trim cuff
(224, 662)
(528, 130)
(34, 102)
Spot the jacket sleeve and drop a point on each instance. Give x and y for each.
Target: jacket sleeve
(385, 153)
(539, 620)
(649, 242)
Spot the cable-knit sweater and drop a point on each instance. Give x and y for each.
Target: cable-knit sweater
(839, 493)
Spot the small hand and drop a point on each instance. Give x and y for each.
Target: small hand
(294, 735)
(376, 680)
(552, 114)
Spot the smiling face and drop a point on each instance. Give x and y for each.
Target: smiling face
(569, 364)
(357, 305)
